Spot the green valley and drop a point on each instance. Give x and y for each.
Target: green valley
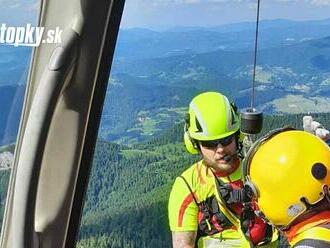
(126, 203)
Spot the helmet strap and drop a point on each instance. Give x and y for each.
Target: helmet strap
(239, 145)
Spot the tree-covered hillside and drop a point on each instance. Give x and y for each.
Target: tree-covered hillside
(128, 191)
(126, 203)
(291, 77)
(4, 180)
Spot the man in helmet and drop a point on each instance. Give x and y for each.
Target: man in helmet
(196, 219)
(288, 173)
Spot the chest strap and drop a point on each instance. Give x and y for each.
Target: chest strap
(211, 219)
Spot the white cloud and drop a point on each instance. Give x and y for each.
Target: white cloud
(16, 4)
(321, 2)
(312, 2)
(217, 12)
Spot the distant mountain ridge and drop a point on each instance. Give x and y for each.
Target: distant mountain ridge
(156, 73)
(291, 78)
(264, 24)
(139, 43)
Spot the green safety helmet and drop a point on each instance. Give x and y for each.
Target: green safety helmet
(210, 117)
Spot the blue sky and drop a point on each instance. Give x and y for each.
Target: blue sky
(169, 13)
(18, 12)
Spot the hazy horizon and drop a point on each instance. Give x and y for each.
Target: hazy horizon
(164, 28)
(171, 13)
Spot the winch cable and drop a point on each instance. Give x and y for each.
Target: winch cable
(251, 118)
(255, 58)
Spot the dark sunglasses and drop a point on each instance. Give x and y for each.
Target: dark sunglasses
(215, 143)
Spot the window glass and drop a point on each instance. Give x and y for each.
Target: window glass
(169, 51)
(16, 18)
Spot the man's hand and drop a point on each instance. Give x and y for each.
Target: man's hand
(247, 219)
(184, 239)
(254, 228)
(315, 128)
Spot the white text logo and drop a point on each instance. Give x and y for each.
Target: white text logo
(29, 35)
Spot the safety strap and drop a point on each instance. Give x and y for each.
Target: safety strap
(214, 220)
(222, 203)
(192, 193)
(228, 195)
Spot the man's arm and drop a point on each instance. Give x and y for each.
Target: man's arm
(184, 239)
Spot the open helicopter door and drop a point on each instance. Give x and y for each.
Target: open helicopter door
(61, 115)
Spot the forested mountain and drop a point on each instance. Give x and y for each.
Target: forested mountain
(126, 203)
(147, 94)
(4, 180)
(154, 76)
(156, 73)
(141, 43)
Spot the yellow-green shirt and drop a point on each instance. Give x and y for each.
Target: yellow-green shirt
(183, 211)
